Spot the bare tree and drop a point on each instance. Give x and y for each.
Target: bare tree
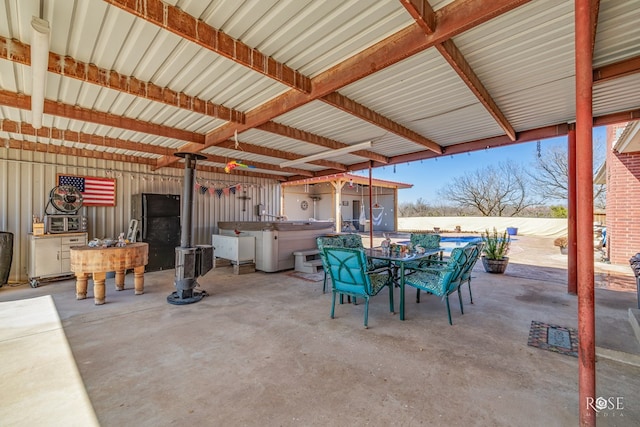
(408, 209)
(496, 190)
(551, 174)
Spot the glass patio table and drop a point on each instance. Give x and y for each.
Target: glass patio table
(398, 261)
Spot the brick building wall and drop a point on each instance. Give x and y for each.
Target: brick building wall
(623, 201)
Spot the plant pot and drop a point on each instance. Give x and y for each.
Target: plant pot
(495, 266)
(564, 250)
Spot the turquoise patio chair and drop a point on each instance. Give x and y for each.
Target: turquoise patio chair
(346, 241)
(440, 281)
(428, 241)
(355, 241)
(323, 242)
(474, 253)
(349, 276)
(468, 260)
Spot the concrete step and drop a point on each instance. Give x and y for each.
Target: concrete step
(313, 263)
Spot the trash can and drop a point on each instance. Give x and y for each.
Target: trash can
(512, 231)
(6, 255)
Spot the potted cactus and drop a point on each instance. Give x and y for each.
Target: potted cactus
(496, 247)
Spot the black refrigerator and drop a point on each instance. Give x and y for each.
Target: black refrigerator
(158, 218)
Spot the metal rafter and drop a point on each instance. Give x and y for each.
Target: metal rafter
(311, 138)
(616, 70)
(66, 135)
(74, 151)
(16, 51)
(266, 166)
(103, 155)
(456, 59)
(452, 19)
(188, 27)
(285, 155)
(560, 129)
(422, 12)
(18, 100)
(350, 106)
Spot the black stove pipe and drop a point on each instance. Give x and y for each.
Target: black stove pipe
(187, 256)
(187, 197)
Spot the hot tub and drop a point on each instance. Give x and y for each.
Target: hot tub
(277, 241)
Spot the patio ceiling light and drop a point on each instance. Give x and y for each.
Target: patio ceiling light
(327, 154)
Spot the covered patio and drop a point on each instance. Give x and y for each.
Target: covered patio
(291, 90)
(263, 351)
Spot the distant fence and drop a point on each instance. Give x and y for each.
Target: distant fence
(545, 227)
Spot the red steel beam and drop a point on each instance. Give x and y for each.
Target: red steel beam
(172, 18)
(66, 66)
(616, 70)
(584, 209)
(453, 19)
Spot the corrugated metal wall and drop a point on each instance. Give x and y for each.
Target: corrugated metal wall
(26, 178)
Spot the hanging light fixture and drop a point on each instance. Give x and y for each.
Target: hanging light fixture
(39, 64)
(327, 154)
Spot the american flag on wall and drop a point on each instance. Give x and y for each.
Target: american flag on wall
(95, 191)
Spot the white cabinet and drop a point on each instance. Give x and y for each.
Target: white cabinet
(237, 249)
(49, 255)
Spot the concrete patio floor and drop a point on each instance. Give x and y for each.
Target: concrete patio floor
(262, 350)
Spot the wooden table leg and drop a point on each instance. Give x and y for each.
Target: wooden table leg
(120, 280)
(98, 287)
(138, 279)
(81, 285)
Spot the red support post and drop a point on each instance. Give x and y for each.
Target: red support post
(584, 210)
(370, 207)
(572, 255)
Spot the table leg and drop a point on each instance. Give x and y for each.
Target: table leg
(98, 287)
(81, 285)
(402, 291)
(120, 280)
(138, 279)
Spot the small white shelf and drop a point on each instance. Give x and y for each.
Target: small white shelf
(237, 249)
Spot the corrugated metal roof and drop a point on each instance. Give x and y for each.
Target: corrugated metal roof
(524, 57)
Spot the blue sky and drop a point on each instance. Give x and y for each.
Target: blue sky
(429, 176)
